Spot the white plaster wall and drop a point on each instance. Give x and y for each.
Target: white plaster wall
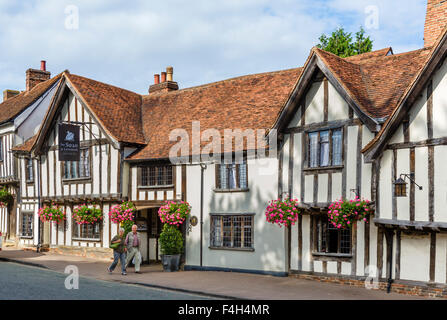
(415, 257)
(403, 166)
(351, 161)
(441, 261)
(285, 164)
(315, 103)
(367, 136)
(360, 248)
(269, 240)
(398, 136)
(336, 186)
(385, 185)
(338, 108)
(440, 181)
(322, 187)
(418, 118)
(307, 254)
(309, 188)
(297, 158)
(421, 177)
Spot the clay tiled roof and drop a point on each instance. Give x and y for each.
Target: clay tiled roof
(359, 58)
(26, 146)
(118, 110)
(248, 102)
(376, 83)
(12, 107)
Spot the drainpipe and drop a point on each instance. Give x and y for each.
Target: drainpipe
(202, 169)
(39, 243)
(389, 235)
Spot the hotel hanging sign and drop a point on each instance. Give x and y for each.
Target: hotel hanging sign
(68, 142)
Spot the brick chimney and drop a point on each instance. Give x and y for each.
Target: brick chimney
(435, 21)
(167, 83)
(34, 76)
(9, 94)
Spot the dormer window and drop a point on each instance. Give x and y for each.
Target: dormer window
(325, 148)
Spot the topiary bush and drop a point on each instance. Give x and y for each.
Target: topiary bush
(171, 240)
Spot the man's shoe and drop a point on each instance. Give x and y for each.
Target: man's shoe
(124, 274)
(108, 269)
(137, 272)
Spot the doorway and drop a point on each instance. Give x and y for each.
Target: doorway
(149, 228)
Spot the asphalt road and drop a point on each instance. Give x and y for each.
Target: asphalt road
(31, 283)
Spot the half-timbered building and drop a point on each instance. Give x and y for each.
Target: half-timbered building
(365, 126)
(20, 116)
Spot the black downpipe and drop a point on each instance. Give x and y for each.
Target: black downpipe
(390, 236)
(39, 242)
(202, 169)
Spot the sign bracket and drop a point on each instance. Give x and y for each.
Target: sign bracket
(82, 124)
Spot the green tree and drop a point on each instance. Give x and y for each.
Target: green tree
(341, 43)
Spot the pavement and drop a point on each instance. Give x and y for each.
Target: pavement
(22, 282)
(222, 285)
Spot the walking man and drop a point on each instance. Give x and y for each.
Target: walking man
(119, 253)
(133, 248)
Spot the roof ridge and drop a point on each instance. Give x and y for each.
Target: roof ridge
(205, 85)
(68, 74)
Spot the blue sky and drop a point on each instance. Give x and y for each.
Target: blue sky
(125, 42)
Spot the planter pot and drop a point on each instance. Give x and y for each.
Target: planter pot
(171, 262)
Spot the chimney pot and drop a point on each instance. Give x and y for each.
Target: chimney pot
(7, 94)
(163, 77)
(156, 78)
(36, 76)
(170, 73)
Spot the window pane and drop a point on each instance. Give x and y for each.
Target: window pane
(216, 239)
(232, 176)
(345, 241)
(168, 179)
(324, 148)
(223, 176)
(237, 231)
(152, 179)
(226, 231)
(160, 176)
(313, 149)
(243, 175)
(85, 163)
(144, 176)
(337, 147)
(248, 231)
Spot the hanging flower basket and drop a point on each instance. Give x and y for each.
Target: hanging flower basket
(344, 213)
(52, 213)
(5, 197)
(83, 214)
(282, 212)
(174, 213)
(123, 214)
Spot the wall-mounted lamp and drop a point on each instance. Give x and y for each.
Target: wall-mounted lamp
(400, 186)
